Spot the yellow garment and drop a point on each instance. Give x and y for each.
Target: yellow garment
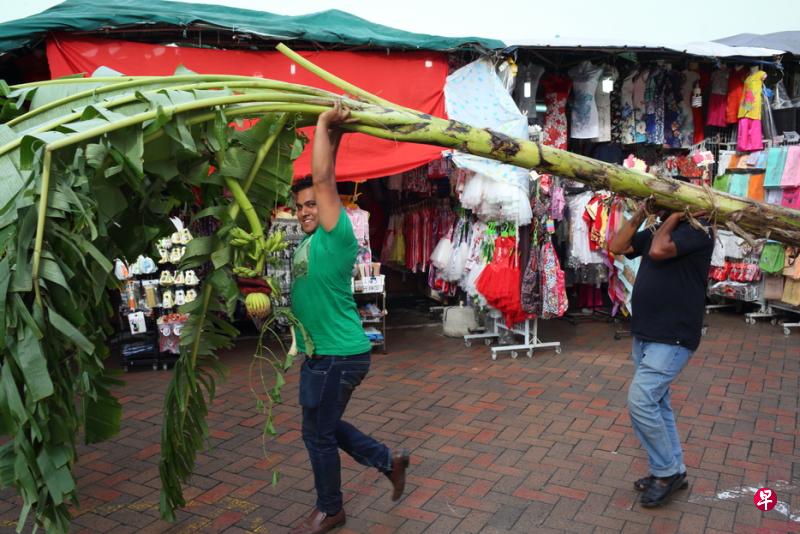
(399, 248)
(750, 104)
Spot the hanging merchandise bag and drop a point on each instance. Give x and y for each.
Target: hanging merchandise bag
(554, 290)
(531, 287)
(791, 265)
(791, 292)
(772, 257)
(773, 287)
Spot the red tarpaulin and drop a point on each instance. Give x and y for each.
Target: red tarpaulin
(412, 79)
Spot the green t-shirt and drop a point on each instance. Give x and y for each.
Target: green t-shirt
(322, 296)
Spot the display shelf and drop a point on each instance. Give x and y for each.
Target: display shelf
(378, 322)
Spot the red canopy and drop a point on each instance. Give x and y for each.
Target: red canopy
(412, 79)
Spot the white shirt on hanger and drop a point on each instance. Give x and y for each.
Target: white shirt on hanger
(585, 123)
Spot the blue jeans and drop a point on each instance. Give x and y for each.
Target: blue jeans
(653, 421)
(326, 384)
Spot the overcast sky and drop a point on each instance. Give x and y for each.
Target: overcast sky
(674, 21)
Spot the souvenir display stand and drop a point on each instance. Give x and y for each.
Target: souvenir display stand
(370, 296)
(151, 293)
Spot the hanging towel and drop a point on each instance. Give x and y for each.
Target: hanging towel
(755, 188)
(739, 184)
(791, 170)
(722, 183)
(776, 159)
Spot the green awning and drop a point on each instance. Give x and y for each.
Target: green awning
(331, 27)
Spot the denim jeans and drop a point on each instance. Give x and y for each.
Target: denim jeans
(326, 384)
(657, 365)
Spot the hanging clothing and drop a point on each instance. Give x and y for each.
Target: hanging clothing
(673, 113)
(639, 106)
(654, 106)
(749, 135)
(755, 187)
(736, 79)
(474, 94)
(359, 219)
(579, 252)
(585, 78)
(690, 79)
(776, 160)
(527, 83)
(717, 103)
(791, 169)
(603, 101)
(556, 90)
(616, 111)
(750, 104)
(554, 289)
(791, 198)
(627, 113)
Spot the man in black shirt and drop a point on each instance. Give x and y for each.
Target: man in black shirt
(667, 319)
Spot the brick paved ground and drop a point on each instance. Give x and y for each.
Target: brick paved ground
(539, 445)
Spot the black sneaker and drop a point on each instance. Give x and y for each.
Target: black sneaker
(661, 489)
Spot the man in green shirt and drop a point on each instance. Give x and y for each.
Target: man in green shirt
(339, 359)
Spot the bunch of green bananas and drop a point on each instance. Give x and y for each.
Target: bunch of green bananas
(245, 272)
(275, 242)
(258, 305)
(240, 238)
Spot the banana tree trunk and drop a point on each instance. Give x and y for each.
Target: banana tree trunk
(748, 218)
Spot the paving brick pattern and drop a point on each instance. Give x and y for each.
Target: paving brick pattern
(526, 445)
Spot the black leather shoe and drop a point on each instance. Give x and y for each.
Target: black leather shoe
(643, 483)
(661, 489)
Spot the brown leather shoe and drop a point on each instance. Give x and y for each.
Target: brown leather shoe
(400, 461)
(318, 523)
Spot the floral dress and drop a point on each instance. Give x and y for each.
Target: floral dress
(627, 130)
(639, 86)
(654, 106)
(673, 115)
(556, 90)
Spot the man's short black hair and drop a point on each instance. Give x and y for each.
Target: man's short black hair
(303, 183)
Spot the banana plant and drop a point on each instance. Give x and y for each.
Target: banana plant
(92, 168)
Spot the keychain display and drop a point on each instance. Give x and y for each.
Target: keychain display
(151, 294)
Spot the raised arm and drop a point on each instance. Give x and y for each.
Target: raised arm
(621, 243)
(323, 164)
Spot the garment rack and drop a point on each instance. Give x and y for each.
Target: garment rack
(529, 331)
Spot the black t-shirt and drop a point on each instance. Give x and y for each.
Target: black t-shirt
(669, 296)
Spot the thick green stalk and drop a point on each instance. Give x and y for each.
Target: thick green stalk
(330, 78)
(243, 203)
(260, 155)
(40, 222)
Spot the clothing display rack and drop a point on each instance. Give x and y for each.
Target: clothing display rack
(529, 331)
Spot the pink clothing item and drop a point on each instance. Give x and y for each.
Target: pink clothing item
(791, 198)
(749, 136)
(791, 169)
(716, 110)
